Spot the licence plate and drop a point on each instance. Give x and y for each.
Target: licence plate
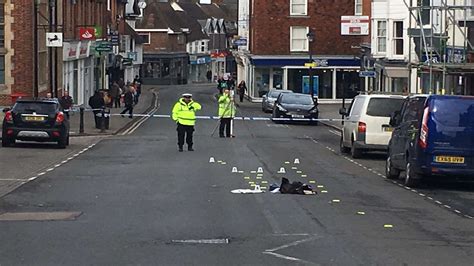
(448, 159)
(34, 118)
(297, 116)
(387, 129)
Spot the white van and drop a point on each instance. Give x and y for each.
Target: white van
(366, 124)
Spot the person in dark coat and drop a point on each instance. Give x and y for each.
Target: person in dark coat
(138, 87)
(128, 101)
(96, 102)
(242, 88)
(209, 75)
(66, 103)
(115, 94)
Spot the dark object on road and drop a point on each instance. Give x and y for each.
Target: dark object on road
(295, 188)
(35, 119)
(294, 107)
(433, 135)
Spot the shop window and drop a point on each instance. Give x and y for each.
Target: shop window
(2, 25)
(425, 11)
(299, 41)
(262, 81)
(381, 36)
(358, 7)
(398, 37)
(298, 7)
(348, 83)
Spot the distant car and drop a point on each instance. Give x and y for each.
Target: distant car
(366, 124)
(268, 100)
(35, 119)
(295, 106)
(433, 135)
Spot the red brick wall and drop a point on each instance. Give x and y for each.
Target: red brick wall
(270, 25)
(367, 11)
(161, 42)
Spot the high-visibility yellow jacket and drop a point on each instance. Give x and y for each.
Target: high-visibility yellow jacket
(185, 113)
(226, 107)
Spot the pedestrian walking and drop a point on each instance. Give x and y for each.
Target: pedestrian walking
(96, 102)
(242, 88)
(184, 114)
(138, 87)
(128, 101)
(66, 103)
(209, 75)
(115, 93)
(226, 114)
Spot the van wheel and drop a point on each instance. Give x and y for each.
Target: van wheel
(355, 152)
(412, 179)
(343, 148)
(7, 142)
(390, 172)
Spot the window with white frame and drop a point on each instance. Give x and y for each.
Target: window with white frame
(145, 37)
(398, 37)
(298, 7)
(381, 36)
(298, 39)
(358, 7)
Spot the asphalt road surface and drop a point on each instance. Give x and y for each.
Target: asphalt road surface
(137, 201)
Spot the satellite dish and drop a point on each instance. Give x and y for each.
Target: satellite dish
(142, 4)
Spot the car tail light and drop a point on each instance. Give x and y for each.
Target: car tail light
(362, 127)
(10, 132)
(56, 133)
(8, 116)
(424, 129)
(59, 117)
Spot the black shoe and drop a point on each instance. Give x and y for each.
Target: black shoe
(180, 149)
(122, 115)
(190, 149)
(221, 136)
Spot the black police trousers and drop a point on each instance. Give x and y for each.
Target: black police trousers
(183, 131)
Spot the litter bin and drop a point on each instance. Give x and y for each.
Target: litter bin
(105, 120)
(15, 96)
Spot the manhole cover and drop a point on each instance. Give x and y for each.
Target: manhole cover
(202, 241)
(38, 216)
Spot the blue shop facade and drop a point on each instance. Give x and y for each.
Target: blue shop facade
(332, 75)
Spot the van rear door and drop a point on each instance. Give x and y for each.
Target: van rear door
(377, 118)
(451, 130)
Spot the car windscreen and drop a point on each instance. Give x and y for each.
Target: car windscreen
(455, 112)
(37, 107)
(290, 98)
(384, 107)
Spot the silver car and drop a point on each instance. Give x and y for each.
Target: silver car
(268, 100)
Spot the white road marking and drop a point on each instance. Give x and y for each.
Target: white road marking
(49, 169)
(337, 133)
(281, 256)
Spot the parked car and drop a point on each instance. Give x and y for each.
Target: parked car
(433, 135)
(366, 124)
(295, 106)
(35, 119)
(268, 100)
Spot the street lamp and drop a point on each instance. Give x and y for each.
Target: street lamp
(310, 36)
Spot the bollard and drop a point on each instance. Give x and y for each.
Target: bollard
(102, 121)
(81, 120)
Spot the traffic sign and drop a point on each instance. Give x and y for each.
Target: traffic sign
(369, 74)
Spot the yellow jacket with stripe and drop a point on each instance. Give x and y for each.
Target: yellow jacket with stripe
(185, 113)
(226, 107)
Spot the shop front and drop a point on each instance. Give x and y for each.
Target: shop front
(165, 69)
(78, 70)
(199, 65)
(332, 76)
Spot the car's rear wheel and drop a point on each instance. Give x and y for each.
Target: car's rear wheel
(62, 142)
(412, 179)
(390, 171)
(355, 152)
(343, 148)
(6, 142)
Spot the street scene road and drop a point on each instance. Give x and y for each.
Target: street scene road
(133, 199)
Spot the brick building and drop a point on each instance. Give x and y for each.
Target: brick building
(278, 45)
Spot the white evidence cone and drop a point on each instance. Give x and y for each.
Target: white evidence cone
(297, 161)
(282, 170)
(212, 160)
(234, 170)
(260, 170)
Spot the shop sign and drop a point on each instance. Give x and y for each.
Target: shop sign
(367, 74)
(70, 51)
(355, 25)
(219, 54)
(83, 50)
(54, 39)
(199, 60)
(241, 42)
(103, 46)
(114, 38)
(127, 62)
(98, 31)
(133, 56)
(87, 33)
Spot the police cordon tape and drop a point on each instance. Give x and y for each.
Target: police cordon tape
(203, 117)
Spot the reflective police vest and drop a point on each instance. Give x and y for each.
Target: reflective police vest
(185, 113)
(226, 107)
